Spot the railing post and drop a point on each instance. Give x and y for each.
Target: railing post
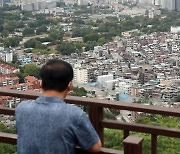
(133, 145)
(126, 133)
(96, 117)
(153, 144)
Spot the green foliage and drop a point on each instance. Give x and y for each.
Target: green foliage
(109, 115)
(177, 99)
(20, 24)
(5, 33)
(33, 24)
(76, 91)
(90, 45)
(28, 32)
(105, 27)
(56, 35)
(43, 51)
(159, 120)
(166, 145)
(34, 43)
(101, 40)
(113, 139)
(12, 41)
(84, 10)
(60, 4)
(91, 37)
(31, 69)
(10, 7)
(81, 32)
(20, 76)
(7, 148)
(41, 19)
(79, 21)
(10, 26)
(41, 29)
(67, 48)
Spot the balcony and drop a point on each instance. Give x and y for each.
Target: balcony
(132, 145)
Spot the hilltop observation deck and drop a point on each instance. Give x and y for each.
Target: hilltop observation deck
(132, 145)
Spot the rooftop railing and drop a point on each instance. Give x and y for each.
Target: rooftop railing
(96, 107)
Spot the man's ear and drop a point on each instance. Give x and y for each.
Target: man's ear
(70, 85)
(40, 84)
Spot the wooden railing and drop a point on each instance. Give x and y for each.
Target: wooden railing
(96, 116)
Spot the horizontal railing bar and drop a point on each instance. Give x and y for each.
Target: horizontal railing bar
(110, 151)
(124, 106)
(12, 139)
(171, 132)
(156, 130)
(100, 103)
(8, 138)
(7, 111)
(103, 151)
(19, 94)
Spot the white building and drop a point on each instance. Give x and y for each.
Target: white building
(157, 2)
(6, 56)
(124, 88)
(82, 2)
(110, 85)
(175, 29)
(1, 2)
(177, 5)
(168, 4)
(80, 75)
(70, 2)
(102, 79)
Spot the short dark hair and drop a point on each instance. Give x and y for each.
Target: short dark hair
(56, 75)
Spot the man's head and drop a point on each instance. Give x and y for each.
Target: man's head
(56, 75)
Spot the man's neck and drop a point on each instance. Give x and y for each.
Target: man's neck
(54, 93)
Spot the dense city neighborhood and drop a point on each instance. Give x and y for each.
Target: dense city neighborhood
(126, 51)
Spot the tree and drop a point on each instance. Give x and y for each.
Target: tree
(90, 45)
(5, 33)
(33, 24)
(12, 41)
(41, 29)
(28, 32)
(1, 21)
(101, 40)
(56, 35)
(31, 69)
(76, 91)
(1, 28)
(20, 24)
(10, 26)
(91, 37)
(67, 48)
(33, 43)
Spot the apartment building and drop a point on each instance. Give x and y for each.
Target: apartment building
(81, 75)
(9, 81)
(7, 69)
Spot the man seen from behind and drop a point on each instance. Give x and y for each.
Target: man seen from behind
(48, 125)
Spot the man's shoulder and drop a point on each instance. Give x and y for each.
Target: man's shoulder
(23, 104)
(73, 109)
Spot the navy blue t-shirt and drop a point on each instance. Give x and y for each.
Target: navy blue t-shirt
(48, 125)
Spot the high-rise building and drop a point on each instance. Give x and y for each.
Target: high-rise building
(177, 5)
(1, 2)
(168, 4)
(157, 2)
(81, 75)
